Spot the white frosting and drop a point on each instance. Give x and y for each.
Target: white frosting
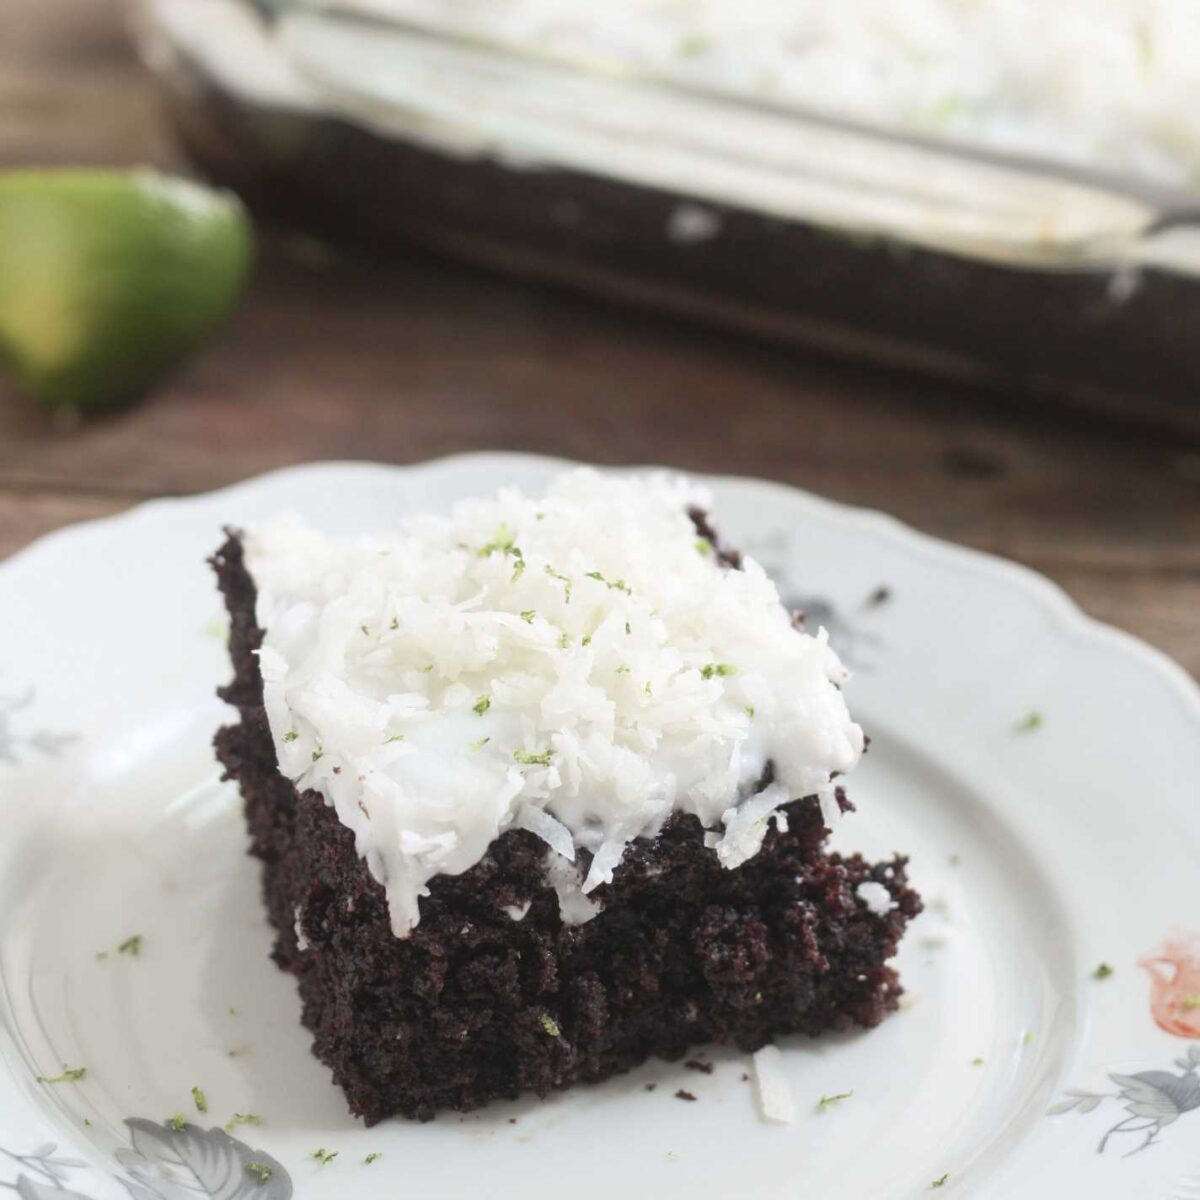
(1106, 83)
(578, 665)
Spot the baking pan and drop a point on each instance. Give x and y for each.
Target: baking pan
(968, 263)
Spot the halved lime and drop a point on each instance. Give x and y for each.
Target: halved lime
(108, 278)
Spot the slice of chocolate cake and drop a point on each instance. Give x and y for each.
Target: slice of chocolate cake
(541, 789)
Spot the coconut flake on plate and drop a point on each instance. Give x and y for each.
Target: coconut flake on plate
(775, 1098)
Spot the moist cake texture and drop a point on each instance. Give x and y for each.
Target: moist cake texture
(502, 985)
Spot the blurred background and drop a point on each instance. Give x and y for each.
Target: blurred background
(939, 258)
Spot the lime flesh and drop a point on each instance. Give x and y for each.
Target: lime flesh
(109, 278)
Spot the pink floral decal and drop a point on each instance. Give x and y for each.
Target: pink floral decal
(1175, 984)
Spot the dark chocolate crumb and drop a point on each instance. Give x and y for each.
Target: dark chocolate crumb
(651, 1086)
(682, 1095)
(694, 1064)
(881, 595)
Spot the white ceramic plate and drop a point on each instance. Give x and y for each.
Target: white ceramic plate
(1045, 845)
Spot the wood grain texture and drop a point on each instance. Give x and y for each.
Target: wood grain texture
(338, 358)
(26, 515)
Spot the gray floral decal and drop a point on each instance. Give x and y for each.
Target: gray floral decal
(14, 744)
(848, 623)
(162, 1163)
(855, 646)
(1154, 1100)
(181, 1164)
(42, 1174)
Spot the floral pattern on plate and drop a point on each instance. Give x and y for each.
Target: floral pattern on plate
(1153, 1100)
(14, 744)
(163, 1162)
(1175, 984)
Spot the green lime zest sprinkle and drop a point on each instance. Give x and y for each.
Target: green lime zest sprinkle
(564, 579)
(527, 759)
(1102, 971)
(290, 736)
(1028, 1037)
(1190, 1002)
(261, 1170)
(395, 624)
(242, 1119)
(374, 1156)
(1028, 723)
(365, 630)
(503, 542)
(396, 737)
(616, 585)
(940, 1182)
(977, 1062)
(750, 711)
(622, 670)
(131, 946)
(1144, 37)
(721, 670)
(587, 640)
(693, 44)
(200, 1100)
(69, 1075)
(482, 705)
(827, 1102)
(318, 754)
(550, 1025)
(324, 1156)
(703, 546)
(628, 629)
(479, 745)
(518, 567)
(528, 615)
(177, 1122)
(564, 640)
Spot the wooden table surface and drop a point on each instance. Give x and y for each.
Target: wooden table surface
(399, 362)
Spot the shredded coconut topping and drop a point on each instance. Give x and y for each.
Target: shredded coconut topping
(579, 665)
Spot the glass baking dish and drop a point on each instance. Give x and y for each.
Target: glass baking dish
(394, 122)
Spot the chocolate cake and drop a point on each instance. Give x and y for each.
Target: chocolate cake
(500, 987)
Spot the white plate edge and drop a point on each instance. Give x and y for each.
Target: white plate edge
(1054, 600)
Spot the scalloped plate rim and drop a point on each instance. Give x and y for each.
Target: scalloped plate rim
(1055, 600)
